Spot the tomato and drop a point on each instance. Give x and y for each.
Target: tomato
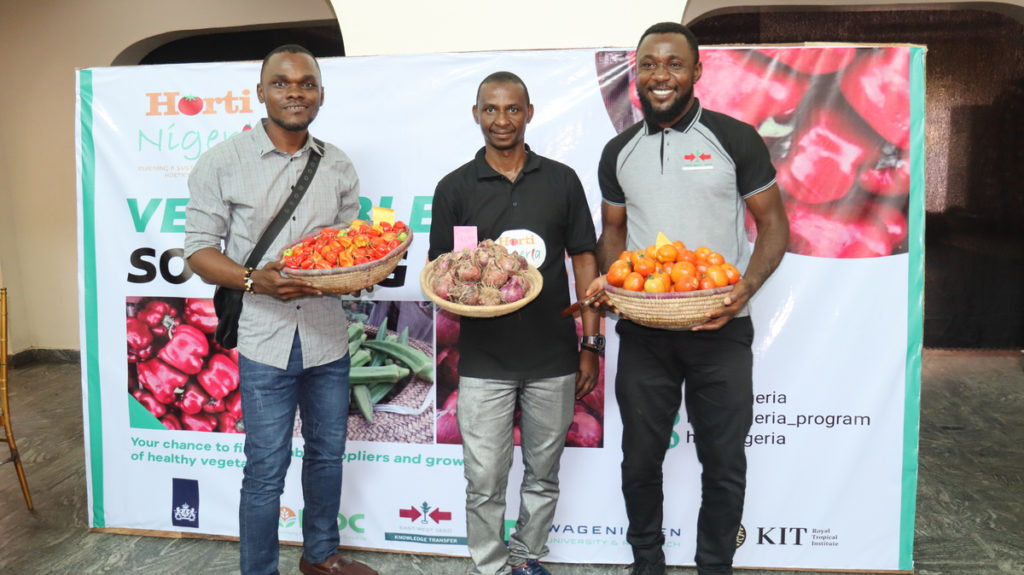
(667, 253)
(680, 246)
(702, 252)
(686, 283)
(715, 259)
(731, 273)
(707, 283)
(617, 273)
(626, 255)
(190, 105)
(717, 275)
(683, 268)
(687, 255)
(651, 252)
(399, 227)
(645, 266)
(654, 283)
(633, 282)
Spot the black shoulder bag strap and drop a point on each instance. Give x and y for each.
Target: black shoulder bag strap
(298, 190)
(228, 302)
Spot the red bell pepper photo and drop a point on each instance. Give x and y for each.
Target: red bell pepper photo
(819, 232)
(199, 422)
(877, 85)
(150, 403)
(890, 176)
(200, 314)
(171, 421)
(812, 61)
(825, 157)
(227, 423)
(161, 380)
(160, 316)
(220, 377)
(214, 405)
(187, 349)
(140, 340)
(233, 403)
(743, 84)
(193, 399)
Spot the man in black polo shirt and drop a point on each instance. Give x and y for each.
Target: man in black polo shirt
(692, 174)
(537, 207)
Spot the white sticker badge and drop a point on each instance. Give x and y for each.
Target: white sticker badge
(525, 243)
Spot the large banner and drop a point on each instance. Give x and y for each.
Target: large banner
(833, 449)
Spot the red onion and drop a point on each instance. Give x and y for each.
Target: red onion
(493, 276)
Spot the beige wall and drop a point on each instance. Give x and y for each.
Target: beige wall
(42, 42)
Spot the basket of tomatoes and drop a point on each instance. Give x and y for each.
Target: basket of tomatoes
(341, 261)
(667, 286)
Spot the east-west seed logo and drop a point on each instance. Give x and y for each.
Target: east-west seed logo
(697, 160)
(189, 104)
(288, 518)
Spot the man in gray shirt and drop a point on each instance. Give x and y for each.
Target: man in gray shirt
(292, 340)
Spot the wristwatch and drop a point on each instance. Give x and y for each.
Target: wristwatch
(593, 342)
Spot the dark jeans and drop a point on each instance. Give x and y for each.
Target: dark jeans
(716, 366)
(270, 397)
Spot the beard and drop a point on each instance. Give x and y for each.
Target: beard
(292, 126)
(668, 115)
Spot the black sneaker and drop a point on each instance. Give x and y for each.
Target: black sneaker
(646, 567)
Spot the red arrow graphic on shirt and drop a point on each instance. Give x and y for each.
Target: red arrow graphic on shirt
(705, 157)
(690, 157)
(411, 513)
(438, 516)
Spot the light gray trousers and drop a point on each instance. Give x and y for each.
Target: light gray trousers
(485, 415)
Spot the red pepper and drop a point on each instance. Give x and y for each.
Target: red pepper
(160, 316)
(825, 157)
(171, 421)
(812, 61)
(742, 84)
(193, 399)
(140, 340)
(825, 233)
(220, 377)
(877, 85)
(149, 402)
(201, 314)
(186, 349)
(233, 403)
(228, 423)
(161, 380)
(199, 421)
(890, 176)
(214, 405)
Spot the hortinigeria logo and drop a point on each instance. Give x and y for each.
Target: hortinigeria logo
(184, 513)
(697, 160)
(526, 243)
(191, 104)
(287, 518)
(425, 511)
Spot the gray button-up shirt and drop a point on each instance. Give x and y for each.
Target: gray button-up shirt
(236, 188)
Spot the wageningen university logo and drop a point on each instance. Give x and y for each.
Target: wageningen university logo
(292, 520)
(424, 523)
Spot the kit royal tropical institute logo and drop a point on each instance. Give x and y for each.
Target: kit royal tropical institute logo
(191, 104)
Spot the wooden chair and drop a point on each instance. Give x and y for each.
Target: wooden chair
(5, 412)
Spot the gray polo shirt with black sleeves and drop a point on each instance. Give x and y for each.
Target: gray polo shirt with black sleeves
(688, 181)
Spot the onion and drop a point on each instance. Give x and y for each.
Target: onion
(443, 285)
(490, 296)
(585, 431)
(447, 329)
(513, 291)
(508, 263)
(467, 272)
(493, 276)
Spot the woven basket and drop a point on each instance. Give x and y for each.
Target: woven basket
(427, 280)
(353, 278)
(668, 310)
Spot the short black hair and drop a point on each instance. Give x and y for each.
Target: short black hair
(673, 28)
(503, 77)
(288, 49)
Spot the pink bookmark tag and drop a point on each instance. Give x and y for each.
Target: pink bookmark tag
(464, 237)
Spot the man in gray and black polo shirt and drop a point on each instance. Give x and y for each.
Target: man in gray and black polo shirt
(692, 174)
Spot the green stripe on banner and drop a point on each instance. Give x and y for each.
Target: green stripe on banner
(95, 438)
(915, 310)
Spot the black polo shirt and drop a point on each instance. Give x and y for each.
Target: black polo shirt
(543, 214)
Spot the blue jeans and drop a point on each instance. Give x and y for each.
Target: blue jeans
(269, 399)
(485, 415)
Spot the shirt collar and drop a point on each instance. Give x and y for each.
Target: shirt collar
(485, 171)
(684, 123)
(264, 146)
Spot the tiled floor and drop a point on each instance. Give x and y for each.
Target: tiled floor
(970, 517)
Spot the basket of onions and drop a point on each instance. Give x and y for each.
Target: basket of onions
(486, 281)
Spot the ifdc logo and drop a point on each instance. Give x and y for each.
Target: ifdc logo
(741, 536)
(288, 518)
